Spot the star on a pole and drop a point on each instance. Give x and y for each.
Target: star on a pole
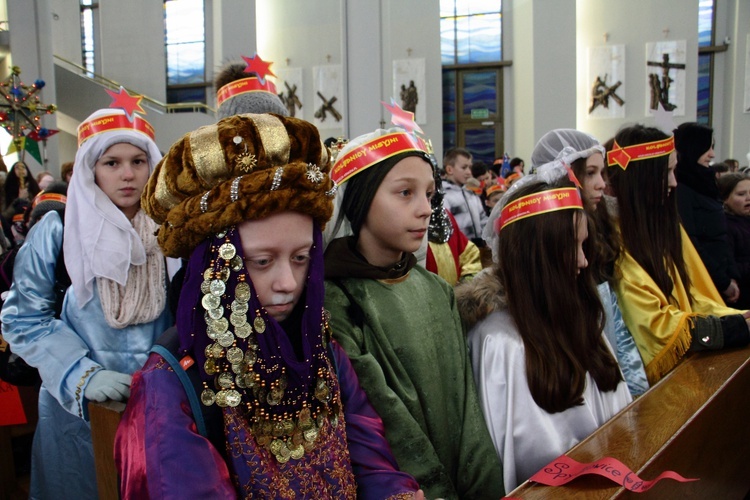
(401, 117)
(129, 103)
(258, 66)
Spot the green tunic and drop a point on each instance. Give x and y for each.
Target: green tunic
(406, 342)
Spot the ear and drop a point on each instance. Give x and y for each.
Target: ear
(449, 169)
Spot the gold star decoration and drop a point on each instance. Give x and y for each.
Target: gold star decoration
(246, 162)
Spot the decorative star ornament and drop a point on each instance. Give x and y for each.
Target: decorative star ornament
(129, 103)
(258, 66)
(401, 117)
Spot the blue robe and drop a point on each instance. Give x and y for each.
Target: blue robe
(66, 352)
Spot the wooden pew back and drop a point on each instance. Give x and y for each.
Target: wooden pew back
(695, 421)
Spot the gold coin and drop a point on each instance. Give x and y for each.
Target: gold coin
(224, 274)
(275, 446)
(250, 380)
(262, 440)
(285, 451)
(225, 339)
(237, 319)
(233, 398)
(208, 397)
(221, 398)
(218, 287)
(225, 380)
(310, 435)
(213, 350)
(206, 286)
(250, 357)
(235, 355)
(236, 264)
(208, 274)
(242, 292)
(259, 324)
(240, 382)
(277, 429)
(273, 398)
(297, 452)
(221, 325)
(227, 251)
(210, 331)
(239, 307)
(216, 312)
(210, 366)
(282, 459)
(288, 427)
(243, 331)
(210, 301)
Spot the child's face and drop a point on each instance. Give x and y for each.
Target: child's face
(738, 201)
(493, 199)
(399, 214)
(277, 258)
(593, 182)
(460, 171)
(122, 172)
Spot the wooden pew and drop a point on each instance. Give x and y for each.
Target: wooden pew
(104, 419)
(695, 421)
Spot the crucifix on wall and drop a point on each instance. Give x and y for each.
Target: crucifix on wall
(660, 86)
(601, 93)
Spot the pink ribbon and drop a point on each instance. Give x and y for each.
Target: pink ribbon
(564, 469)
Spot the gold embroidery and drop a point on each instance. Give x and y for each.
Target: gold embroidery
(79, 387)
(274, 137)
(164, 196)
(208, 155)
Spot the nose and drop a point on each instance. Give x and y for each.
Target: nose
(284, 279)
(600, 184)
(424, 208)
(127, 171)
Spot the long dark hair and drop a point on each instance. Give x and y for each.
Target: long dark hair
(558, 314)
(649, 222)
(602, 247)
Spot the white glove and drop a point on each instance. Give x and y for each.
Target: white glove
(108, 384)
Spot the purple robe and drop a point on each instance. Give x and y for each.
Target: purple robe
(159, 453)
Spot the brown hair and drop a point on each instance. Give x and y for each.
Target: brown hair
(649, 222)
(558, 314)
(453, 153)
(602, 247)
(728, 182)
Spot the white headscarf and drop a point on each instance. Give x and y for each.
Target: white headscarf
(100, 241)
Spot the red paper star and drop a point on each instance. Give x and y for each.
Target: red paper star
(402, 118)
(258, 66)
(129, 103)
(618, 156)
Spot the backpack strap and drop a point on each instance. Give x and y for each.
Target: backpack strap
(166, 347)
(208, 419)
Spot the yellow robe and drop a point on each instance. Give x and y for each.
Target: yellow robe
(660, 327)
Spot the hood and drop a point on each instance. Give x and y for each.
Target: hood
(480, 297)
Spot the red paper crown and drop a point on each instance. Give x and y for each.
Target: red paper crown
(61, 198)
(551, 200)
(243, 86)
(494, 188)
(18, 218)
(378, 149)
(622, 156)
(106, 123)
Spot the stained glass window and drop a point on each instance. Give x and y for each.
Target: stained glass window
(705, 61)
(186, 50)
(87, 35)
(470, 31)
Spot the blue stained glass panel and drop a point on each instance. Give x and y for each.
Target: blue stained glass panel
(479, 92)
(481, 144)
(704, 89)
(449, 96)
(185, 63)
(478, 38)
(448, 41)
(449, 137)
(705, 22)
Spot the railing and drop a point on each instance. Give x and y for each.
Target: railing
(197, 107)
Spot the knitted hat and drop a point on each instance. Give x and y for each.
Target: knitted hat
(239, 92)
(243, 167)
(52, 198)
